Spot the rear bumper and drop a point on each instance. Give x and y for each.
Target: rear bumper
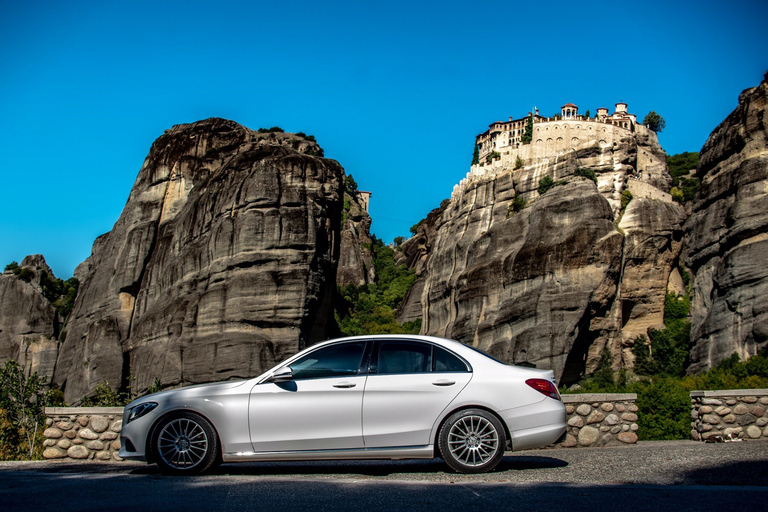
(537, 425)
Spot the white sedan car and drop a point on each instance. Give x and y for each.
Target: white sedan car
(364, 397)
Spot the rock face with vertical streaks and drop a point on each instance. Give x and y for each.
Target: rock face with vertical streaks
(551, 279)
(727, 237)
(222, 263)
(29, 324)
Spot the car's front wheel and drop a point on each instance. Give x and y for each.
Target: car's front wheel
(185, 443)
(472, 441)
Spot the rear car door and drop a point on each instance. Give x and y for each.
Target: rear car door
(410, 383)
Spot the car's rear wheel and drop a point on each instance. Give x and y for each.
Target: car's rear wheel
(472, 441)
(185, 443)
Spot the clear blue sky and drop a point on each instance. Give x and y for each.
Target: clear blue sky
(395, 91)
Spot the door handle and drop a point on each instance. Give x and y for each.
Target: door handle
(345, 385)
(444, 382)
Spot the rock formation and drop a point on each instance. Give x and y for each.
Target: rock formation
(29, 324)
(221, 264)
(727, 237)
(551, 279)
(355, 256)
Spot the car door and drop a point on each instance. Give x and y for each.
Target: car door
(409, 384)
(320, 409)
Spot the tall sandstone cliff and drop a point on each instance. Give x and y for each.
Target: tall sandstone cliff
(222, 263)
(29, 324)
(557, 282)
(727, 237)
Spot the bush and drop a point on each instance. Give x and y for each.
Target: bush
(545, 184)
(586, 173)
(664, 406)
(104, 396)
(23, 401)
(517, 205)
(519, 163)
(626, 197)
(476, 156)
(12, 267)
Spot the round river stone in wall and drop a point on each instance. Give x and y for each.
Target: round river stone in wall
(52, 433)
(99, 423)
(53, 453)
(740, 409)
(628, 437)
(78, 452)
(583, 409)
(88, 434)
(588, 436)
(754, 432)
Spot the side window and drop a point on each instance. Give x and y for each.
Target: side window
(334, 361)
(404, 357)
(447, 362)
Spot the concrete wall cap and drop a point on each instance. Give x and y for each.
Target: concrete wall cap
(729, 392)
(80, 411)
(598, 397)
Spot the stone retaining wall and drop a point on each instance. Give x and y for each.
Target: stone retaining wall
(730, 414)
(83, 433)
(600, 419)
(93, 433)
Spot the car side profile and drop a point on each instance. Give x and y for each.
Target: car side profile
(364, 397)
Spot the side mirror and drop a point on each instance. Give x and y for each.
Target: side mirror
(284, 374)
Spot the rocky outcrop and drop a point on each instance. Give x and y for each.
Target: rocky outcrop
(551, 279)
(29, 324)
(221, 264)
(727, 237)
(355, 256)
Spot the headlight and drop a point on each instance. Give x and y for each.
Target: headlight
(140, 410)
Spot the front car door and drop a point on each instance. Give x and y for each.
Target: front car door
(410, 383)
(319, 410)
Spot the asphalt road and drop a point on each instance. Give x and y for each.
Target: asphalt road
(672, 475)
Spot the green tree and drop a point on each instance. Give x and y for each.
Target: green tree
(24, 400)
(350, 185)
(587, 114)
(476, 156)
(527, 136)
(654, 122)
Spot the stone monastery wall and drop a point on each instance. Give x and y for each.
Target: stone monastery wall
(551, 140)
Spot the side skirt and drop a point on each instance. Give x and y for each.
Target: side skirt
(400, 452)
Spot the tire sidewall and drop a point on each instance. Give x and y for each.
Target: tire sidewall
(211, 455)
(456, 464)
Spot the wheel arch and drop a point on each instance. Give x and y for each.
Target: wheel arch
(436, 438)
(148, 448)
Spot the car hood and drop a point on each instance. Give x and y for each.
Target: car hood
(187, 391)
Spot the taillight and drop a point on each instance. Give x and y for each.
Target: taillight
(544, 387)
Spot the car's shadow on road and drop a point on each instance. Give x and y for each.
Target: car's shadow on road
(365, 467)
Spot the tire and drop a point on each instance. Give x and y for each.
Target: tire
(472, 441)
(184, 443)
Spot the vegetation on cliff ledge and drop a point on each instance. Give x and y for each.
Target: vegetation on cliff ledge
(370, 309)
(681, 167)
